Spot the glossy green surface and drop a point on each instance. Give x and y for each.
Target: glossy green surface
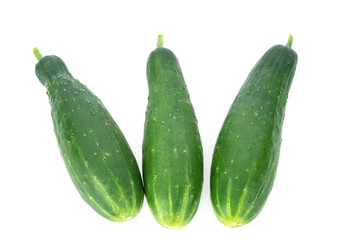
(172, 150)
(247, 149)
(97, 156)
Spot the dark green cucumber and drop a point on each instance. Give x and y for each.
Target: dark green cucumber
(172, 150)
(247, 149)
(97, 156)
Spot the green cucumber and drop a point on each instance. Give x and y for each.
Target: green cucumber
(96, 154)
(172, 150)
(247, 149)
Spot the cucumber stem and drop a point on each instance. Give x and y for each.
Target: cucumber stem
(290, 40)
(160, 41)
(37, 53)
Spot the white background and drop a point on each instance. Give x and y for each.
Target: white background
(106, 45)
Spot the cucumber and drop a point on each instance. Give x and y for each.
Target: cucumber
(172, 150)
(96, 154)
(247, 149)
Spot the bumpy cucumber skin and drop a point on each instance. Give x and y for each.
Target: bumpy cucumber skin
(247, 149)
(172, 149)
(97, 156)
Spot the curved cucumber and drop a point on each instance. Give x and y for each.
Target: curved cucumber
(97, 156)
(172, 150)
(246, 153)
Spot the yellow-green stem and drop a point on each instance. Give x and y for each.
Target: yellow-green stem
(290, 40)
(37, 53)
(160, 41)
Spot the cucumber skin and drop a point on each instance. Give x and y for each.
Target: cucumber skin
(247, 149)
(97, 156)
(172, 149)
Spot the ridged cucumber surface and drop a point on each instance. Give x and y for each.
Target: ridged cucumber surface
(96, 154)
(247, 149)
(172, 150)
